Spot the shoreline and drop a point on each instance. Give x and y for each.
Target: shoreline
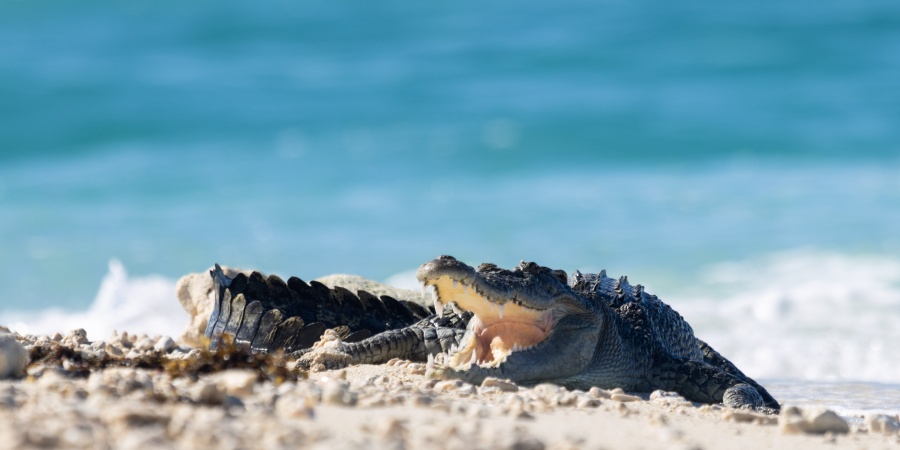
(69, 403)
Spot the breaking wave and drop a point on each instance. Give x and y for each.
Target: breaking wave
(134, 304)
(801, 315)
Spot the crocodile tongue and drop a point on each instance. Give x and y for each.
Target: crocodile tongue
(499, 326)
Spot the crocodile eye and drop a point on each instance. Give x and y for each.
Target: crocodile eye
(562, 276)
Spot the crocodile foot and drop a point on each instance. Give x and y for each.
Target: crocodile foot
(744, 396)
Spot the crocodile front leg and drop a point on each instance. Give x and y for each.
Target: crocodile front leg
(700, 382)
(713, 358)
(413, 343)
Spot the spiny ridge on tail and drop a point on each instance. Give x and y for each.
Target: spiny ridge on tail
(267, 313)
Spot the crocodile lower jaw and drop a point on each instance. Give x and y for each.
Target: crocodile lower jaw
(498, 328)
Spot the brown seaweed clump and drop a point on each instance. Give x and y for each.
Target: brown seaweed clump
(81, 362)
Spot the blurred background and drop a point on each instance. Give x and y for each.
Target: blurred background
(742, 161)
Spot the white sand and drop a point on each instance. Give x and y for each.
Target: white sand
(387, 406)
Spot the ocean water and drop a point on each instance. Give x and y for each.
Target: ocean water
(741, 161)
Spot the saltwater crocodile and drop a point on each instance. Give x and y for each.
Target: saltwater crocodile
(531, 324)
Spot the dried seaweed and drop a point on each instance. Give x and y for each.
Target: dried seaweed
(80, 363)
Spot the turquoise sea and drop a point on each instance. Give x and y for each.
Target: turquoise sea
(740, 160)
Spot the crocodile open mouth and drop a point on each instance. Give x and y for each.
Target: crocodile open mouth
(498, 328)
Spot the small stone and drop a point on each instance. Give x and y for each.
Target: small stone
(207, 392)
(144, 344)
(616, 391)
(114, 351)
(882, 423)
(502, 385)
(236, 382)
(165, 344)
(665, 396)
(416, 368)
(564, 398)
(76, 337)
(793, 420)
(598, 393)
(624, 398)
(13, 357)
(420, 400)
(336, 392)
(295, 407)
(527, 443)
(746, 416)
(426, 385)
(825, 420)
(56, 337)
(467, 389)
(586, 401)
(521, 415)
(447, 385)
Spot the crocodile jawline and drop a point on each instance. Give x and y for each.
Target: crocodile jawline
(499, 326)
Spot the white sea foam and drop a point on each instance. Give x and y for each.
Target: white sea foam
(134, 304)
(801, 315)
(404, 280)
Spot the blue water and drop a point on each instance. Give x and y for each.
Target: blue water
(721, 154)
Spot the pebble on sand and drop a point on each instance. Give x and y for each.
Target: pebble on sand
(13, 357)
(501, 385)
(794, 420)
(882, 423)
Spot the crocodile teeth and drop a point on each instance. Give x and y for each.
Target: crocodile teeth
(438, 305)
(465, 288)
(423, 288)
(455, 283)
(500, 310)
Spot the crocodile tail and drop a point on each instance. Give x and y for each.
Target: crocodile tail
(266, 313)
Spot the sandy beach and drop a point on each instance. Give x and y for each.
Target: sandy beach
(149, 392)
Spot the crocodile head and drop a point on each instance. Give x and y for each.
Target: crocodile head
(527, 323)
